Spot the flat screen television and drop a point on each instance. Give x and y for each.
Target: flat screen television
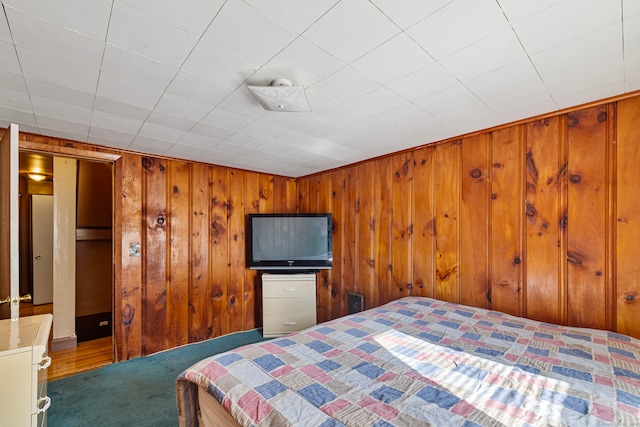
(289, 242)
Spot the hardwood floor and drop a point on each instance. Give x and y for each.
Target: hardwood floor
(86, 356)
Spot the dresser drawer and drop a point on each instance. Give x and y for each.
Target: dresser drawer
(280, 324)
(289, 289)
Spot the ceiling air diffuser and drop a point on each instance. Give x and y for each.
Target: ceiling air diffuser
(281, 95)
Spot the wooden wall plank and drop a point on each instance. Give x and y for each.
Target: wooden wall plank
(128, 313)
(219, 249)
(587, 216)
(546, 174)
(350, 267)
(475, 221)
(337, 286)
(627, 297)
(178, 271)
(303, 194)
(401, 226)
(383, 208)
(200, 290)
(447, 198)
(424, 222)
(155, 255)
(507, 196)
(325, 277)
(241, 296)
(365, 282)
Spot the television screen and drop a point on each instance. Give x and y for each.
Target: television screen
(289, 241)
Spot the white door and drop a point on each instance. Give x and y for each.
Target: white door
(9, 246)
(42, 248)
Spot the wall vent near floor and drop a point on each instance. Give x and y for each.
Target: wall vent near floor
(355, 302)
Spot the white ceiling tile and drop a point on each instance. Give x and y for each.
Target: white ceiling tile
(12, 81)
(137, 68)
(173, 122)
(182, 107)
(193, 139)
(588, 94)
(242, 102)
(319, 127)
(5, 33)
(263, 129)
(15, 100)
(632, 82)
(346, 85)
(9, 58)
(219, 65)
(123, 109)
(488, 54)
(509, 113)
(595, 74)
(230, 30)
(516, 10)
(407, 113)
(394, 59)
(110, 136)
(301, 62)
(427, 81)
(87, 17)
(131, 29)
(286, 119)
(227, 119)
(118, 123)
(185, 152)
(632, 45)
(199, 89)
(58, 71)
(18, 116)
(127, 91)
(57, 132)
(71, 130)
(579, 53)
(244, 140)
(565, 21)
(408, 12)
(164, 133)
(211, 131)
(458, 25)
(193, 17)
(293, 14)
(59, 93)
(60, 110)
(630, 8)
(345, 116)
(39, 35)
(446, 100)
(351, 29)
(149, 145)
(378, 102)
(319, 102)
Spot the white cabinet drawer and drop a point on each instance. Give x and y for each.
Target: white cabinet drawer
(291, 289)
(280, 324)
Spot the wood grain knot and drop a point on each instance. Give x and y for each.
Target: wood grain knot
(530, 210)
(516, 260)
(476, 173)
(575, 179)
(160, 220)
(602, 116)
(629, 297)
(147, 163)
(573, 121)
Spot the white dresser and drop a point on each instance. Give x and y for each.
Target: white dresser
(23, 370)
(288, 303)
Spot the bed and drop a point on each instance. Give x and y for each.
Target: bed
(420, 361)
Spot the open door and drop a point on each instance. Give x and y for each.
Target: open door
(9, 268)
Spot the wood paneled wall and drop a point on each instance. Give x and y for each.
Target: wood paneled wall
(540, 219)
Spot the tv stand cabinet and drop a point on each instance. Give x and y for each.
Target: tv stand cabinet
(288, 303)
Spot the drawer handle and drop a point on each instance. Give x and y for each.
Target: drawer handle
(288, 289)
(289, 323)
(44, 408)
(45, 363)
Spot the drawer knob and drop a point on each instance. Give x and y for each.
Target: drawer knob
(289, 323)
(47, 403)
(288, 289)
(44, 363)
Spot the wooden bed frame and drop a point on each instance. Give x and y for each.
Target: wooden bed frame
(211, 413)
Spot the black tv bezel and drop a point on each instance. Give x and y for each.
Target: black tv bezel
(289, 266)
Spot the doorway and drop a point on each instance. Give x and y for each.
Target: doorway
(93, 242)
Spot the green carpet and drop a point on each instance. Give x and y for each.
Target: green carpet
(138, 392)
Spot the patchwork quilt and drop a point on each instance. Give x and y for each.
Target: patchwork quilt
(419, 361)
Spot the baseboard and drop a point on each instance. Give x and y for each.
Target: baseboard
(64, 343)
